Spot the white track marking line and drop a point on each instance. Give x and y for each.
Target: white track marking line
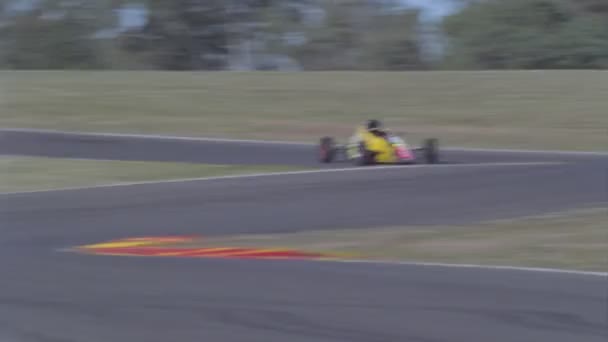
(471, 266)
(286, 173)
(157, 137)
(282, 142)
(517, 151)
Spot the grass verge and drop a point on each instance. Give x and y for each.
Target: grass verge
(571, 240)
(33, 173)
(514, 109)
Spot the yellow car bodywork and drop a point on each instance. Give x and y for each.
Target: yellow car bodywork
(384, 151)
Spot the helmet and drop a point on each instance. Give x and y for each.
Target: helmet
(373, 125)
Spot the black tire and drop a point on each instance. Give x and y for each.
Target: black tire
(366, 157)
(431, 151)
(327, 150)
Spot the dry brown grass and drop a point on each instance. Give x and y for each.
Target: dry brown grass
(533, 109)
(575, 240)
(31, 173)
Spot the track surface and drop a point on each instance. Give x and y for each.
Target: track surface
(47, 295)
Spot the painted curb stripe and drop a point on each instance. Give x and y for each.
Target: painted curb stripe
(281, 254)
(221, 252)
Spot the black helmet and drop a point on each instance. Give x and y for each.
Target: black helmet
(373, 125)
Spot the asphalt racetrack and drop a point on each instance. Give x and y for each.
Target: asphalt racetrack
(50, 295)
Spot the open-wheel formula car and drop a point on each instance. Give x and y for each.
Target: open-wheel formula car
(365, 148)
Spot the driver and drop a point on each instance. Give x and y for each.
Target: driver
(372, 135)
(375, 127)
(371, 129)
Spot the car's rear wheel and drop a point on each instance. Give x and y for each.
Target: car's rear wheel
(327, 150)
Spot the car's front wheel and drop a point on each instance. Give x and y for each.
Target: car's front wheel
(431, 151)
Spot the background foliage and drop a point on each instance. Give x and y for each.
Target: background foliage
(301, 35)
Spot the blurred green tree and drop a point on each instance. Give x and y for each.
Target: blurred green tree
(526, 34)
(595, 6)
(54, 34)
(362, 34)
(194, 34)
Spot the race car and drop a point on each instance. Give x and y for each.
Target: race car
(365, 148)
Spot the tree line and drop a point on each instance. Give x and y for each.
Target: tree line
(301, 35)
